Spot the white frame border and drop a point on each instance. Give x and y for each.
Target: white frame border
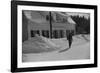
(52, 63)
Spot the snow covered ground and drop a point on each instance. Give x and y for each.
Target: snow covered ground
(43, 49)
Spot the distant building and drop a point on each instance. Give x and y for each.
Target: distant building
(39, 22)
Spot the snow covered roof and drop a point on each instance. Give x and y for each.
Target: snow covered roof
(70, 20)
(66, 16)
(40, 16)
(35, 16)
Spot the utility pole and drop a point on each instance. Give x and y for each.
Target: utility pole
(50, 24)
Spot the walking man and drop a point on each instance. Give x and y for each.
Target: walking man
(70, 39)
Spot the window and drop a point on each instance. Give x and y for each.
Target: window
(37, 32)
(67, 32)
(61, 33)
(45, 33)
(33, 32)
(55, 34)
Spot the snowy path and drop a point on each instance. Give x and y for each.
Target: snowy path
(80, 50)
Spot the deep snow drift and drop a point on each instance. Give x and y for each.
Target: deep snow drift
(41, 44)
(42, 49)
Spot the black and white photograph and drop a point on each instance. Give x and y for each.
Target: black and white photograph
(49, 36)
(54, 36)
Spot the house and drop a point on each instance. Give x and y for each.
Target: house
(38, 22)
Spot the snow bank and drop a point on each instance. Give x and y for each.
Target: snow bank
(39, 44)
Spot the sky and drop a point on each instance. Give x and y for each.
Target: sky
(86, 15)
